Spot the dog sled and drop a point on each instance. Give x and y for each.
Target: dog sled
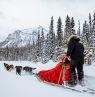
(57, 75)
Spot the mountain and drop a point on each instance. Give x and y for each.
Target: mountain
(21, 38)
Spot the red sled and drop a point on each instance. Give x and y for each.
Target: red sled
(58, 75)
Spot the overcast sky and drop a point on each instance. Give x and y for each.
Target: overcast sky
(15, 14)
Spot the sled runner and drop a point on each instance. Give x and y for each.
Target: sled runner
(74, 89)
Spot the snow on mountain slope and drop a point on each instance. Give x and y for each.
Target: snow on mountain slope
(22, 37)
(12, 85)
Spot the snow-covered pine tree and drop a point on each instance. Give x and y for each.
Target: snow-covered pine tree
(78, 32)
(59, 42)
(90, 20)
(85, 34)
(29, 47)
(93, 35)
(51, 39)
(6, 53)
(33, 51)
(46, 50)
(87, 39)
(72, 23)
(67, 31)
(59, 53)
(43, 47)
(42, 41)
(59, 33)
(90, 31)
(38, 47)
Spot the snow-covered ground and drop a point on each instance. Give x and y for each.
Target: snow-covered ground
(26, 85)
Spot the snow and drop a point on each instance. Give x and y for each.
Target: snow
(26, 85)
(89, 70)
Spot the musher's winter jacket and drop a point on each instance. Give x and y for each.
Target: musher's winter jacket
(75, 48)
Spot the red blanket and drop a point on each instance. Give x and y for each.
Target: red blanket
(57, 75)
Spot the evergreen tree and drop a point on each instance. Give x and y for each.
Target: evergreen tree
(34, 56)
(72, 23)
(85, 34)
(90, 31)
(59, 33)
(42, 44)
(47, 45)
(78, 32)
(46, 50)
(51, 37)
(29, 49)
(93, 20)
(90, 20)
(38, 47)
(67, 31)
(93, 32)
(42, 38)
(6, 53)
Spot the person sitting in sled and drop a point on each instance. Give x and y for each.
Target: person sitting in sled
(75, 52)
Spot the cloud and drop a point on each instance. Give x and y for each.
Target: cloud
(2, 15)
(16, 14)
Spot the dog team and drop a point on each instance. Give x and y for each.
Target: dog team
(9, 67)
